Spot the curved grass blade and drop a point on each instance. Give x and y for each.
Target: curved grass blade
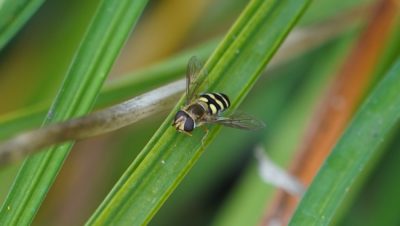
(13, 15)
(233, 69)
(354, 156)
(108, 31)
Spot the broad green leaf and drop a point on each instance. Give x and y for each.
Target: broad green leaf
(233, 69)
(354, 156)
(105, 36)
(13, 15)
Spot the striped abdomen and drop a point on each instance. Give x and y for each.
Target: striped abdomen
(216, 102)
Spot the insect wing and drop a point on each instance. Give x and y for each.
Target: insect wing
(194, 70)
(239, 121)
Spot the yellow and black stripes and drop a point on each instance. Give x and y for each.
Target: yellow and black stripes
(216, 102)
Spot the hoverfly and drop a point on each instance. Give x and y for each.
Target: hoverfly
(207, 107)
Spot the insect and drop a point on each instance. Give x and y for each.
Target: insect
(207, 107)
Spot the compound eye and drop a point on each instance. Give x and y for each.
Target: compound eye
(180, 114)
(189, 124)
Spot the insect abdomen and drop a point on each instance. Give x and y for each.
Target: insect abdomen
(216, 102)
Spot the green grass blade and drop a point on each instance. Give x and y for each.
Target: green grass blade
(107, 33)
(360, 147)
(13, 15)
(233, 69)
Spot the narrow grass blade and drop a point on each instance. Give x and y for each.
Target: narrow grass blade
(108, 31)
(354, 156)
(233, 69)
(13, 15)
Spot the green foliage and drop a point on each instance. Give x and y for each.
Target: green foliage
(285, 100)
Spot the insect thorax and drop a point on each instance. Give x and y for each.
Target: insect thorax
(197, 109)
(215, 102)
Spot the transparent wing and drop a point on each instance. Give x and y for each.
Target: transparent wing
(194, 70)
(239, 121)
